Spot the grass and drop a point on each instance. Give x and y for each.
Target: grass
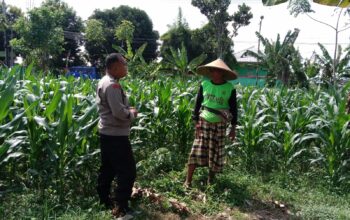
(235, 193)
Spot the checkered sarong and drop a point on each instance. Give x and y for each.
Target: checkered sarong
(208, 145)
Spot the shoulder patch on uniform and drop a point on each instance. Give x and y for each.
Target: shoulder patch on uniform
(116, 86)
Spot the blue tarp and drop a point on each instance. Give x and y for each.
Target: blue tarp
(83, 71)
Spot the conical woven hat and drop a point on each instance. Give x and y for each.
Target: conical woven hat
(217, 64)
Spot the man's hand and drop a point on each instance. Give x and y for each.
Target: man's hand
(133, 111)
(232, 134)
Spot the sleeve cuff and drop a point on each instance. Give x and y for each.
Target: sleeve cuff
(131, 116)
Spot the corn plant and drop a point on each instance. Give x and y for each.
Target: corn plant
(48, 132)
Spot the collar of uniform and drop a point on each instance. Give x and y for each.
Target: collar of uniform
(112, 78)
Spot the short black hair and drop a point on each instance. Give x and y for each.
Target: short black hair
(112, 58)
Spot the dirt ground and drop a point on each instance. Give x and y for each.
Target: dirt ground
(251, 210)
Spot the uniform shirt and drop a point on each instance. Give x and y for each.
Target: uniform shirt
(113, 108)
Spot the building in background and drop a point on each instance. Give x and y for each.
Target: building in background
(250, 73)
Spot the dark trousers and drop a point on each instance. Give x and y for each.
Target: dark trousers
(117, 160)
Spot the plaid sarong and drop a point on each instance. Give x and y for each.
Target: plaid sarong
(208, 145)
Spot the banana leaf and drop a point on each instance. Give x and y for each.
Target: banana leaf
(339, 3)
(273, 2)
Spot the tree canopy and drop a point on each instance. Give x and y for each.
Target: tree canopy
(178, 34)
(109, 20)
(40, 36)
(12, 13)
(50, 35)
(215, 37)
(72, 26)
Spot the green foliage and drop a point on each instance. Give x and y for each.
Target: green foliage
(279, 129)
(50, 36)
(72, 26)
(125, 32)
(281, 59)
(41, 36)
(273, 2)
(137, 65)
(96, 40)
(111, 19)
(216, 12)
(179, 34)
(178, 61)
(326, 63)
(94, 32)
(338, 3)
(37, 129)
(49, 145)
(12, 14)
(303, 6)
(213, 39)
(161, 160)
(241, 18)
(289, 126)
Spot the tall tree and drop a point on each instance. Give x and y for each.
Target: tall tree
(216, 12)
(204, 41)
(125, 32)
(12, 14)
(95, 41)
(73, 27)
(219, 18)
(178, 34)
(241, 18)
(111, 19)
(40, 38)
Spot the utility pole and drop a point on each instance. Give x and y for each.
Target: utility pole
(258, 68)
(260, 23)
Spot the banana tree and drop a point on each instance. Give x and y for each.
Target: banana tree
(304, 6)
(178, 61)
(277, 57)
(326, 62)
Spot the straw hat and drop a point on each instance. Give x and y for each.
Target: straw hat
(217, 64)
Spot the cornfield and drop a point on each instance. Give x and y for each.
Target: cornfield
(48, 129)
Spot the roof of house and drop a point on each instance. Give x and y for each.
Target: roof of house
(246, 59)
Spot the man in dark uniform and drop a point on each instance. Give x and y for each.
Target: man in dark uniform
(117, 158)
